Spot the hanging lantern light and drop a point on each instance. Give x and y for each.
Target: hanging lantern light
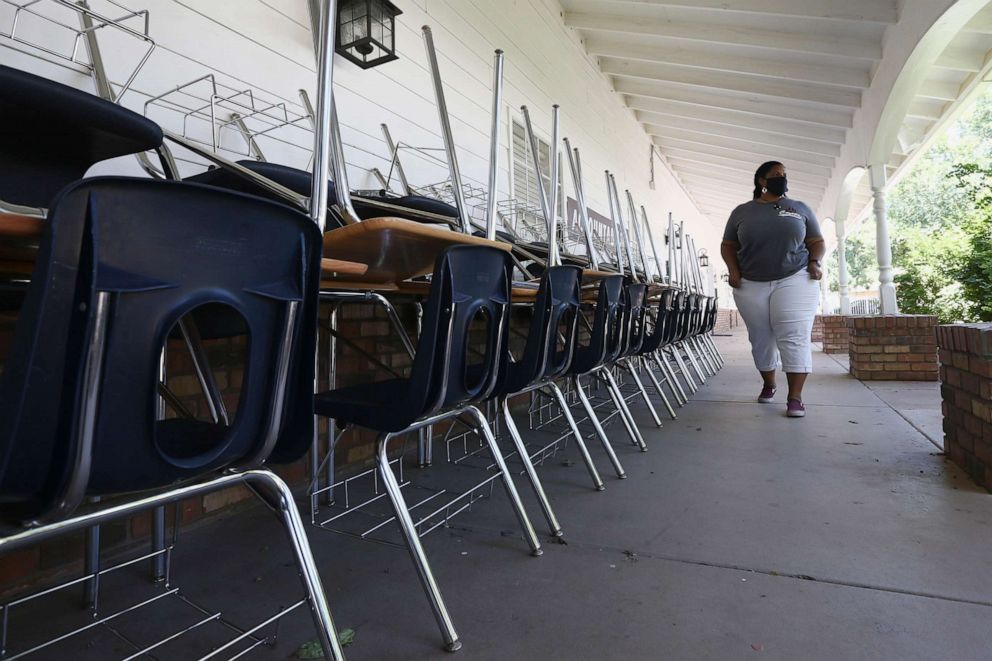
(704, 258)
(367, 31)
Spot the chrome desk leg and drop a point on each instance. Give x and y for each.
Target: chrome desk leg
(598, 427)
(644, 393)
(579, 441)
(92, 568)
(412, 539)
(535, 481)
(625, 414)
(657, 387)
(511, 490)
(332, 382)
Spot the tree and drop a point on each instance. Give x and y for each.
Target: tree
(974, 270)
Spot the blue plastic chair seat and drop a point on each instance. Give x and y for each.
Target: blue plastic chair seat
(51, 134)
(298, 181)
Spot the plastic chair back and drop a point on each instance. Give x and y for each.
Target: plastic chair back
(123, 260)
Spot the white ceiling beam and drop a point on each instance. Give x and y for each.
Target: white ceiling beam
(875, 11)
(792, 111)
(734, 173)
(732, 119)
(858, 77)
(736, 185)
(747, 84)
(802, 42)
(926, 110)
(812, 198)
(746, 149)
(940, 91)
(747, 163)
(676, 129)
(960, 59)
(744, 192)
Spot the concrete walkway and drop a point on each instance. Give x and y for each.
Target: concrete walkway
(740, 534)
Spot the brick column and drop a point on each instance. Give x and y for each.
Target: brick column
(835, 333)
(966, 390)
(817, 328)
(726, 320)
(893, 347)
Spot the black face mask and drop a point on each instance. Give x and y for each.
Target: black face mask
(777, 185)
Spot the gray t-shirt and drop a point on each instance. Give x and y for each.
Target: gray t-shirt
(772, 237)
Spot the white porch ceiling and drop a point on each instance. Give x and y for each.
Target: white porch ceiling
(722, 85)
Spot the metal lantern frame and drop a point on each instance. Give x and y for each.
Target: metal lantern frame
(365, 28)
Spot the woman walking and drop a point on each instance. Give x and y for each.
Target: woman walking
(773, 246)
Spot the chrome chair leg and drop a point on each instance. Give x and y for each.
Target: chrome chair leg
(657, 387)
(684, 368)
(625, 414)
(644, 393)
(535, 481)
(266, 485)
(704, 353)
(282, 499)
(691, 355)
(701, 356)
(671, 379)
(598, 428)
(511, 490)
(412, 539)
(579, 441)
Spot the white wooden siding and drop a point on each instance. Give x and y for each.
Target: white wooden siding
(266, 45)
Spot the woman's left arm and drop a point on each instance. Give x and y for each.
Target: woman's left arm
(817, 248)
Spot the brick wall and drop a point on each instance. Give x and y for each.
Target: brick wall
(966, 390)
(726, 320)
(893, 347)
(817, 334)
(835, 333)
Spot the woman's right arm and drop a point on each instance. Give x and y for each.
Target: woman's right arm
(728, 250)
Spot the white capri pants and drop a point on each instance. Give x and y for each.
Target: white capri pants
(779, 319)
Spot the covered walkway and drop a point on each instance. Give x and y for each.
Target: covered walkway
(740, 533)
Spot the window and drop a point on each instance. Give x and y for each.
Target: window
(525, 190)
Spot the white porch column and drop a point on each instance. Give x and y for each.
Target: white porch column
(842, 278)
(883, 247)
(824, 291)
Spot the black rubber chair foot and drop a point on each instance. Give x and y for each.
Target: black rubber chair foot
(601, 487)
(644, 449)
(558, 533)
(622, 476)
(537, 553)
(453, 646)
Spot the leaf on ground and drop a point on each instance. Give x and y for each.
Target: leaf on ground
(853, 422)
(757, 647)
(312, 649)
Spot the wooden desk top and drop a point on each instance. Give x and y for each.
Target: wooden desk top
(395, 249)
(332, 268)
(25, 228)
(19, 237)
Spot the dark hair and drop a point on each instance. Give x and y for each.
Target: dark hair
(761, 173)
